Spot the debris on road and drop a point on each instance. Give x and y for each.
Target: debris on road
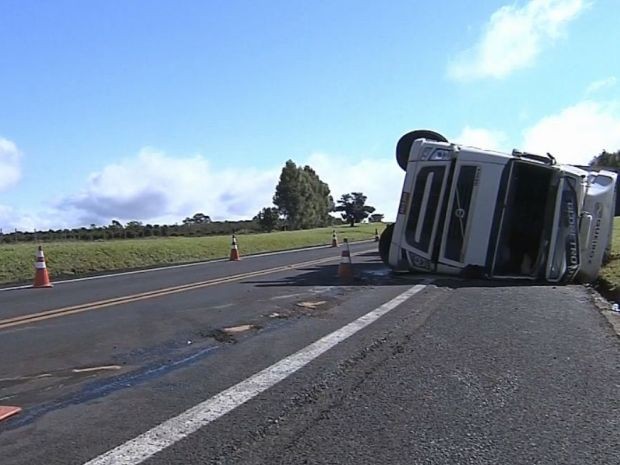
(7, 411)
(99, 368)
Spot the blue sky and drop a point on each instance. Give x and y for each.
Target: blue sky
(156, 110)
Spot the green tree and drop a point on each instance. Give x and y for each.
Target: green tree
(288, 197)
(198, 218)
(117, 229)
(134, 228)
(268, 218)
(606, 160)
(353, 207)
(201, 218)
(318, 200)
(302, 198)
(376, 218)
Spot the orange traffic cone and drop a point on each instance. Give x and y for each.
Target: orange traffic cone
(376, 235)
(234, 251)
(334, 239)
(345, 269)
(8, 410)
(41, 278)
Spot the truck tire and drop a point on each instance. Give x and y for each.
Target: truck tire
(384, 243)
(403, 147)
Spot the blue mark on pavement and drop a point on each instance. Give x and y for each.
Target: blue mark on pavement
(107, 386)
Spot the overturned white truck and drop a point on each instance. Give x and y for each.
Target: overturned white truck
(481, 213)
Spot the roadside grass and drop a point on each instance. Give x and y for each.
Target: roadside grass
(610, 273)
(79, 258)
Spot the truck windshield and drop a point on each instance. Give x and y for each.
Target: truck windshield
(526, 220)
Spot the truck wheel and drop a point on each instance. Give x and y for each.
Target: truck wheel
(384, 243)
(403, 147)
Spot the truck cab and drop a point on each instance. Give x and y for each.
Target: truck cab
(473, 212)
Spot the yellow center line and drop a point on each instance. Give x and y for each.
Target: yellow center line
(74, 309)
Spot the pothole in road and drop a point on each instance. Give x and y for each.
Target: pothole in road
(312, 305)
(228, 334)
(239, 329)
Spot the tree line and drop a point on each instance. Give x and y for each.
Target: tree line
(301, 201)
(606, 160)
(131, 230)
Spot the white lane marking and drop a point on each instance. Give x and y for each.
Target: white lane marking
(183, 265)
(166, 434)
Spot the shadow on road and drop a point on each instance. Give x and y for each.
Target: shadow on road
(364, 274)
(455, 282)
(375, 273)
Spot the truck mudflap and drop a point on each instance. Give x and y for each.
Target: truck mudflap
(596, 224)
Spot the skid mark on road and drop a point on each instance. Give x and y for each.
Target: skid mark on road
(166, 434)
(170, 357)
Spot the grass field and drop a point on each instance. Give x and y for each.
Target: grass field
(610, 274)
(71, 259)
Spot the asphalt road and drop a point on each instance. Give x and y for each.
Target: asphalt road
(454, 372)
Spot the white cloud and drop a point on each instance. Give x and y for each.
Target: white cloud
(577, 133)
(10, 171)
(156, 188)
(482, 138)
(513, 37)
(380, 179)
(12, 218)
(601, 84)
